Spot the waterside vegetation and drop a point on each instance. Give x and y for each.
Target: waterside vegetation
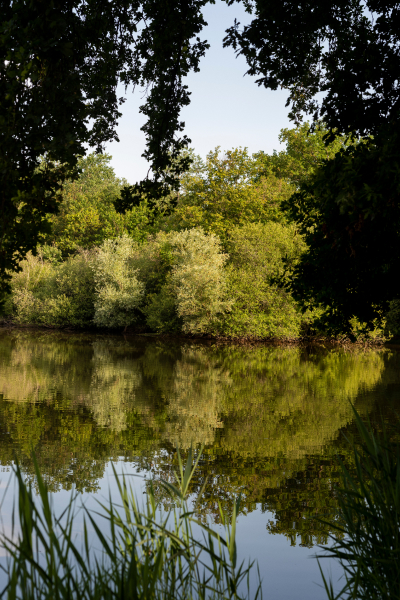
(145, 554)
(367, 531)
(217, 257)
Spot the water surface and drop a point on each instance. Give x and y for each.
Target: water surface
(272, 421)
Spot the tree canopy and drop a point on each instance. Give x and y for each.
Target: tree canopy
(86, 214)
(349, 214)
(60, 66)
(60, 63)
(348, 50)
(227, 189)
(339, 62)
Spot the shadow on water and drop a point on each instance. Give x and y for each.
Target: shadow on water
(271, 418)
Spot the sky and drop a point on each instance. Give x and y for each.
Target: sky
(227, 108)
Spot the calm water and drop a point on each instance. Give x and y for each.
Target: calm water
(272, 421)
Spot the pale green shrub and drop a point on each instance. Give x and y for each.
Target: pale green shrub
(192, 296)
(119, 292)
(262, 308)
(198, 279)
(75, 281)
(44, 293)
(34, 275)
(23, 306)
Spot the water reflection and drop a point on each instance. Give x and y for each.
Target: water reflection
(270, 417)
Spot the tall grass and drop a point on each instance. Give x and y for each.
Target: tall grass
(136, 553)
(367, 543)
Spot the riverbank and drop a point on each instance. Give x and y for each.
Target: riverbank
(306, 340)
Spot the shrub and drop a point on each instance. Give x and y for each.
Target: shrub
(119, 292)
(198, 279)
(193, 297)
(55, 295)
(262, 308)
(75, 281)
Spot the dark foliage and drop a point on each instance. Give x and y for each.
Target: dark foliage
(349, 212)
(60, 63)
(350, 217)
(348, 50)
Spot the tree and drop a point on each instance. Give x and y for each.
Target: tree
(304, 153)
(349, 51)
(229, 189)
(349, 215)
(86, 213)
(60, 64)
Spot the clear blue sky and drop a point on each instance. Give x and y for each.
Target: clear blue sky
(227, 109)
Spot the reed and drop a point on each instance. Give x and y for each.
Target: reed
(367, 541)
(136, 553)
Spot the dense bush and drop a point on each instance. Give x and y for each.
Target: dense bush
(193, 295)
(56, 295)
(119, 293)
(173, 282)
(198, 279)
(262, 308)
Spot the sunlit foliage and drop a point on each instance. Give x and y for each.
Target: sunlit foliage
(52, 293)
(228, 189)
(118, 290)
(260, 254)
(86, 215)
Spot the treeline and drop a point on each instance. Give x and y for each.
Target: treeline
(214, 258)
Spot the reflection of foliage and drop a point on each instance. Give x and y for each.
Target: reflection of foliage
(290, 406)
(270, 417)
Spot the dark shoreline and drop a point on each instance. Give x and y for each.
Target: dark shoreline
(208, 339)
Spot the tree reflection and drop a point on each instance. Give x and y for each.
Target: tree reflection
(270, 417)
